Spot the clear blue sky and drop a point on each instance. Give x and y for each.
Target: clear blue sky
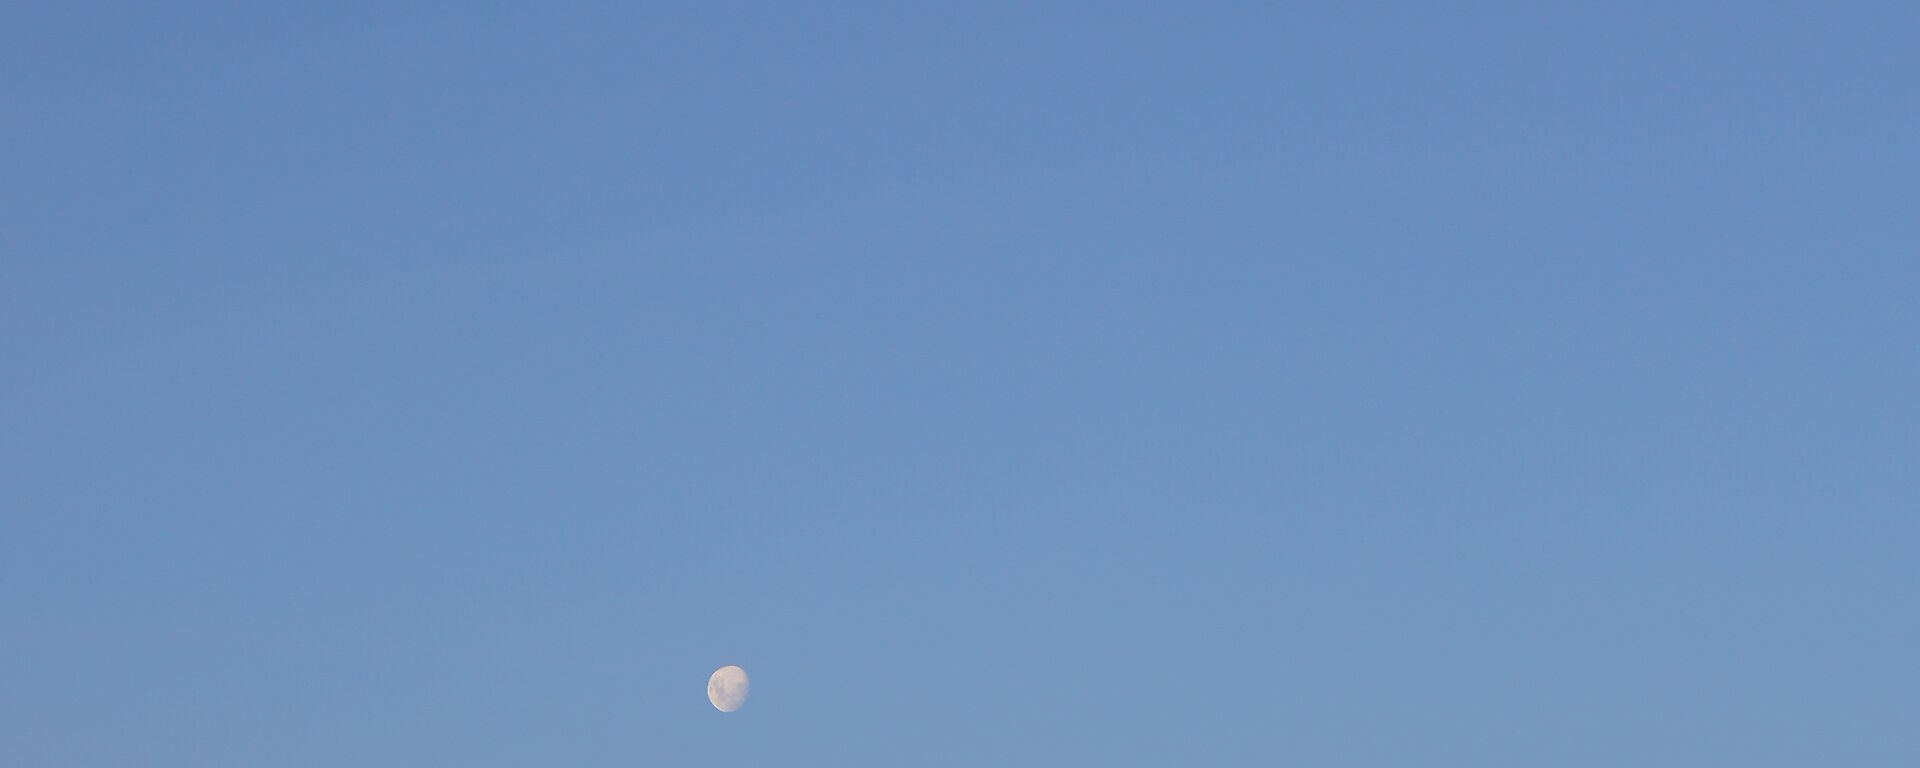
(1000, 384)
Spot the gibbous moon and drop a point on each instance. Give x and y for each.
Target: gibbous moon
(727, 689)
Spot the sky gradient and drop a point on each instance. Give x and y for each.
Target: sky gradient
(1005, 384)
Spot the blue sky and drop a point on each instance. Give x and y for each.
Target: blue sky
(1000, 384)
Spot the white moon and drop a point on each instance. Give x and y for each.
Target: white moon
(727, 689)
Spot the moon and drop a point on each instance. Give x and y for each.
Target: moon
(727, 689)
